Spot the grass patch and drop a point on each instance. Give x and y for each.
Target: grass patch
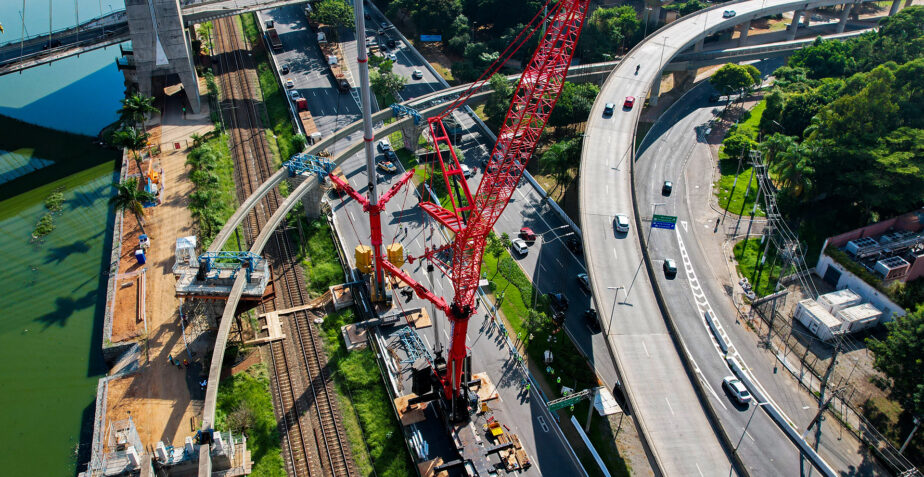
(319, 257)
(214, 199)
(358, 374)
(723, 188)
(749, 123)
(277, 107)
(245, 406)
(446, 73)
(747, 260)
(479, 111)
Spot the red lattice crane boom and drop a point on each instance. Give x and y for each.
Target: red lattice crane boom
(473, 217)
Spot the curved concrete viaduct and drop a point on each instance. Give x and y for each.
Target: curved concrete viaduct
(680, 436)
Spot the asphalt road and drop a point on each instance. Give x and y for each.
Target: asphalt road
(697, 289)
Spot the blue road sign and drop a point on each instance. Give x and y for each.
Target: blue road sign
(663, 225)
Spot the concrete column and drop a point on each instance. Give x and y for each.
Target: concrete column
(312, 202)
(655, 91)
(161, 45)
(842, 20)
(795, 25)
(896, 5)
(699, 45)
(683, 79)
(744, 28)
(807, 18)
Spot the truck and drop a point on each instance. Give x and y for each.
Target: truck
(334, 57)
(311, 129)
(272, 36)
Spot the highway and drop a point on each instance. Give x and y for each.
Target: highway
(682, 443)
(698, 288)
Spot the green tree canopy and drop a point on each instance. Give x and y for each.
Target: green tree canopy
(129, 197)
(737, 145)
(498, 102)
(574, 104)
(899, 357)
(608, 30)
(387, 83)
(334, 12)
(131, 139)
(136, 107)
(560, 158)
(732, 78)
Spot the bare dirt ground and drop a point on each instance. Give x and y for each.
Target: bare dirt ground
(127, 322)
(165, 400)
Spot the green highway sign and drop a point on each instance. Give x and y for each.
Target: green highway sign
(670, 219)
(565, 402)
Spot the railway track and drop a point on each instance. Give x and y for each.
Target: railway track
(309, 420)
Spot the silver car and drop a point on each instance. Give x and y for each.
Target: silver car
(737, 389)
(621, 223)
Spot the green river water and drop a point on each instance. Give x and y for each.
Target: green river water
(51, 309)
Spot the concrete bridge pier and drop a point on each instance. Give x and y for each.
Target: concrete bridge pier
(795, 25)
(683, 79)
(842, 20)
(655, 91)
(161, 46)
(699, 45)
(743, 30)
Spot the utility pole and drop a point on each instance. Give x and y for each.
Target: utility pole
(734, 185)
(747, 192)
(756, 168)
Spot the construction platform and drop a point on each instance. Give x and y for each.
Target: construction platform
(218, 283)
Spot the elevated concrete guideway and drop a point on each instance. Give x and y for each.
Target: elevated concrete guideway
(660, 383)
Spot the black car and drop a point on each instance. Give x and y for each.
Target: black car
(574, 244)
(391, 43)
(667, 188)
(558, 302)
(391, 156)
(583, 282)
(590, 318)
(284, 69)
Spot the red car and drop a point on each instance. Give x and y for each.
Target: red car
(630, 101)
(527, 235)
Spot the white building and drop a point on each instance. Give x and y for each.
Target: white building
(860, 317)
(817, 319)
(838, 300)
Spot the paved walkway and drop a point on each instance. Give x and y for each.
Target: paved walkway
(164, 401)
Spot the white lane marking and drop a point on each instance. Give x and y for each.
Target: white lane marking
(699, 470)
(714, 394)
(545, 427)
(684, 224)
(669, 406)
(351, 215)
(646, 349)
(418, 243)
(615, 257)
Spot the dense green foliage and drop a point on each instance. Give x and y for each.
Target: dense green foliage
(212, 174)
(852, 118)
(358, 374)
(608, 31)
(734, 78)
(560, 158)
(319, 257)
(130, 197)
(574, 104)
(244, 406)
(686, 8)
(899, 357)
(334, 12)
(498, 102)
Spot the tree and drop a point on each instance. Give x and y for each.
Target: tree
(498, 102)
(432, 15)
(737, 145)
(574, 104)
(560, 158)
(793, 169)
(775, 144)
(607, 30)
(334, 12)
(823, 59)
(130, 198)
(385, 84)
(133, 140)
(732, 78)
(899, 357)
(135, 108)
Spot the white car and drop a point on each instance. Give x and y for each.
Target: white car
(295, 95)
(384, 145)
(621, 223)
(417, 74)
(393, 57)
(289, 83)
(728, 13)
(737, 389)
(520, 246)
(467, 171)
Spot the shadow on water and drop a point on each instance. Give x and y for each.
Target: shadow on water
(59, 254)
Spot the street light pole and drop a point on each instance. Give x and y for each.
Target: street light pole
(613, 311)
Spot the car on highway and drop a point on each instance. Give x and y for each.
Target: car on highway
(519, 246)
(728, 13)
(391, 156)
(527, 235)
(666, 188)
(381, 31)
(467, 171)
(621, 223)
(290, 83)
(391, 43)
(284, 69)
(558, 302)
(295, 95)
(583, 282)
(629, 102)
(393, 57)
(590, 318)
(384, 25)
(574, 244)
(737, 389)
(417, 74)
(670, 268)
(608, 109)
(386, 166)
(384, 145)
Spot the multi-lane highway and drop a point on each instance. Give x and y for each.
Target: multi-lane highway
(682, 443)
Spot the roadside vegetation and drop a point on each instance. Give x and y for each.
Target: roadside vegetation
(318, 256)
(753, 258)
(245, 406)
(527, 312)
(214, 199)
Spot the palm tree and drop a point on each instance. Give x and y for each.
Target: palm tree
(774, 145)
(793, 169)
(136, 107)
(129, 197)
(131, 138)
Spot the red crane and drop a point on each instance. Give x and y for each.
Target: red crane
(472, 218)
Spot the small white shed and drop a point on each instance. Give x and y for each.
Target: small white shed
(838, 300)
(859, 317)
(186, 255)
(817, 319)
